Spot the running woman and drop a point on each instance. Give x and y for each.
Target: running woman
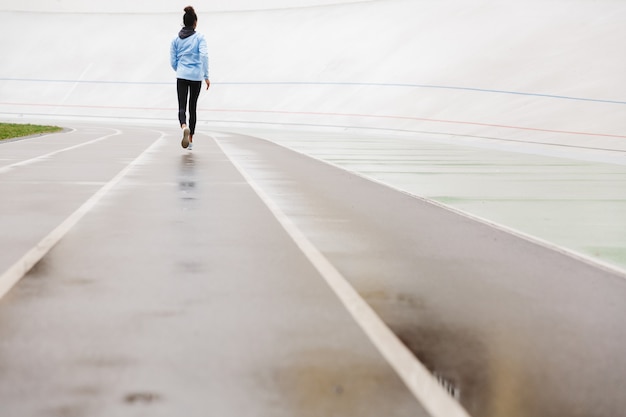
(190, 59)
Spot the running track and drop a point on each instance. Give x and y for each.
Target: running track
(137, 274)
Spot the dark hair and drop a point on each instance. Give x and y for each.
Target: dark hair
(190, 16)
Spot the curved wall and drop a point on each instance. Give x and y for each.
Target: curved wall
(536, 71)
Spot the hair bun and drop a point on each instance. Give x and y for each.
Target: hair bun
(190, 18)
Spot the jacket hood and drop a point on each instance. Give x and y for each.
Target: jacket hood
(186, 32)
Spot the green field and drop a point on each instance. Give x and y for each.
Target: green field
(12, 130)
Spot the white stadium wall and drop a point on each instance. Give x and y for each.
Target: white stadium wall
(534, 71)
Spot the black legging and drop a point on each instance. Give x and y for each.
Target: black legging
(184, 87)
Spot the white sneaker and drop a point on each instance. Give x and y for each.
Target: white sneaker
(186, 133)
(190, 146)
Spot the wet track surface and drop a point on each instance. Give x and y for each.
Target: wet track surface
(179, 293)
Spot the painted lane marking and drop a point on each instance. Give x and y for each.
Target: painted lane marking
(334, 114)
(422, 384)
(330, 83)
(87, 106)
(571, 253)
(48, 155)
(430, 86)
(20, 268)
(419, 119)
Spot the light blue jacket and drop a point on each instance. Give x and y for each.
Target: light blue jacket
(190, 57)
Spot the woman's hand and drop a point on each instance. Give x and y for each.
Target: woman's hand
(208, 83)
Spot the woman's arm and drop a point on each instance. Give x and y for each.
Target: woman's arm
(173, 55)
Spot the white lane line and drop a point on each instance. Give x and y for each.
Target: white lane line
(570, 253)
(20, 268)
(424, 386)
(48, 155)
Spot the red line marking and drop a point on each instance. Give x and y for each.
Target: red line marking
(312, 113)
(423, 119)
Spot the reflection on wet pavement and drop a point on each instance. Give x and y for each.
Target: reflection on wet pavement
(187, 177)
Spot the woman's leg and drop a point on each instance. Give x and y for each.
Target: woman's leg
(183, 89)
(194, 87)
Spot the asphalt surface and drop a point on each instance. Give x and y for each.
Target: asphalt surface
(177, 292)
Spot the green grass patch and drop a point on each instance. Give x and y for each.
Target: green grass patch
(13, 130)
